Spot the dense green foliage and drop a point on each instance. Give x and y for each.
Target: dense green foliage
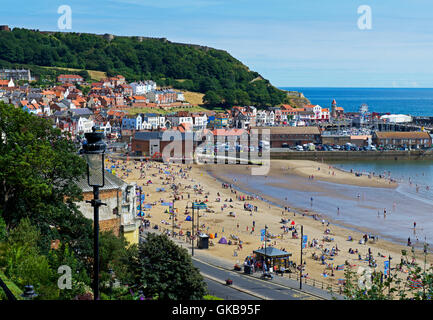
(373, 285)
(38, 171)
(164, 271)
(38, 195)
(216, 73)
(23, 262)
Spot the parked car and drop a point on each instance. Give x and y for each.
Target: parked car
(299, 148)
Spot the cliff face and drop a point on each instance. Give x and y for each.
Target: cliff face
(297, 99)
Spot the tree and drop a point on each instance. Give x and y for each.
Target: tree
(80, 280)
(164, 271)
(211, 98)
(24, 264)
(84, 74)
(367, 284)
(39, 168)
(2, 229)
(200, 69)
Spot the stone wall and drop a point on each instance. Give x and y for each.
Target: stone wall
(111, 197)
(351, 155)
(110, 225)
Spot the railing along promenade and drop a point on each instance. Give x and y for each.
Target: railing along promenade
(337, 289)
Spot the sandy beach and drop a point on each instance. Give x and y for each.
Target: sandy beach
(203, 183)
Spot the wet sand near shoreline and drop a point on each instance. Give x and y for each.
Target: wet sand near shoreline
(325, 172)
(387, 212)
(219, 221)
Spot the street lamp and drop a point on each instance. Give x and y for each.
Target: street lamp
(302, 246)
(266, 240)
(93, 150)
(192, 226)
(29, 293)
(172, 214)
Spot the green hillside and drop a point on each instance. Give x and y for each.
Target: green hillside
(215, 73)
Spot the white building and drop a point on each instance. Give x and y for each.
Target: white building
(105, 127)
(153, 121)
(84, 125)
(180, 96)
(138, 88)
(178, 120)
(141, 88)
(265, 118)
(396, 118)
(200, 121)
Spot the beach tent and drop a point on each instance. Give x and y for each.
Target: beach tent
(212, 236)
(292, 223)
(188, 218)
(223, 240)
(166, 203)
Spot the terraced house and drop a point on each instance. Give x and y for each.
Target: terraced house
(70, 78)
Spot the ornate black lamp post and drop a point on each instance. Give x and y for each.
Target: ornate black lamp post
(93, 150)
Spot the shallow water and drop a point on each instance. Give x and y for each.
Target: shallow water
(403, 205)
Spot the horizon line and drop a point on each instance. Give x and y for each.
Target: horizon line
(334, 87)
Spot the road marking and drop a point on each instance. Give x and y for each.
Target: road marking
(236, 287)
(253, 279)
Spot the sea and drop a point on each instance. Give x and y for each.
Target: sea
(413, 101)
(362, 207)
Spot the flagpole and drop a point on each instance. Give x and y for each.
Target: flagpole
(302, 239)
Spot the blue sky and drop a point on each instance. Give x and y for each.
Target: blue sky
(292, 43)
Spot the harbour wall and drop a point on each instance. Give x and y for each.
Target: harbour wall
(352, 155)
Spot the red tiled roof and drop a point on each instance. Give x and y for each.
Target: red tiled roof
(70, 76)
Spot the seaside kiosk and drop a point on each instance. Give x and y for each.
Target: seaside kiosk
(273, 257)
(203, 241)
